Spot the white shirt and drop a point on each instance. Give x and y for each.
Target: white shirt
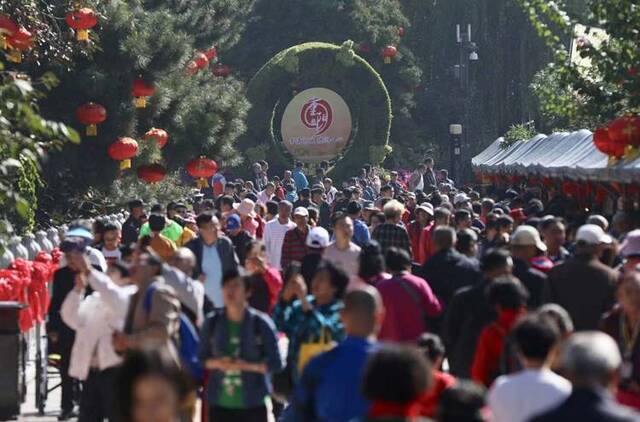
(347, 259)
(521, 396)
(273, 238)
(264, 197)
(331, 194)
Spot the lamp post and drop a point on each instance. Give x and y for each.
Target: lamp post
(467, 54)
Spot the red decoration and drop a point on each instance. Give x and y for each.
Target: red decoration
(515, 179)
(364, 48)
(601, 195)
(142, 90)
(401, 31)
(388, 53)
(123, 150)
(625, 130)
(548, 182)
(200, 62)
(160, 136)
(570, 189)
(152, 173)
(202, 168)
(91, 115)
(20, 41)
(8, 28)
(606, 145)
(82, 20)
(211, 53)
(221, 70)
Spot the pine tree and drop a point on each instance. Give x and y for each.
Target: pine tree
(203, 114)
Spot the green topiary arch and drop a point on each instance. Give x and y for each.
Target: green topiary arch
(310, 65)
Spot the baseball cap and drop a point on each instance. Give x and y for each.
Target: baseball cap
(302, 211)
(79, 232)
(592, 234)
(426, 207)
(318, 237)
(527, 236)
(460, 197)
(233, 222)
(631, 244)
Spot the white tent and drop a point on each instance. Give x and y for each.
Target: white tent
(561, 155)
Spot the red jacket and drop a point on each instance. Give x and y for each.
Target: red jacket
(425, 248)
(429, 402)
(486, 361)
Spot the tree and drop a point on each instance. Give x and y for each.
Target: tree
(610, 86)
(202, 113)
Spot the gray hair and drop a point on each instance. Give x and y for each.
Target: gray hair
(185, 254)
(590, 358)
(559, 315)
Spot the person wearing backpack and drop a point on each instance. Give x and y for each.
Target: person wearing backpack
(239, 347)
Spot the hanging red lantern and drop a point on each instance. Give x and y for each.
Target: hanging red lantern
(82, 20)
(570, 189)
(160, 136)
(8, 28)
(211, 53)
(625, 130)
(141, 91)
(202, 168)
(200, 62)
(123, 150)
(401, 31)
(91, 115)
(601, 195)
(388, 53)
(364, 48)
(152, 173)
(548, 182)
(20, 41)
(606, 145)
(221, 70)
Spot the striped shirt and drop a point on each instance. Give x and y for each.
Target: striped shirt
(274, 233)
(294, 247)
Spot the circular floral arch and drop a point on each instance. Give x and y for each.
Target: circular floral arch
(310, 65)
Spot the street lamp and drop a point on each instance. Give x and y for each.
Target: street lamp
(455, 132)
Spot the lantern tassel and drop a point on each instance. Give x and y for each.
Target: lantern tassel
(3, 42)
(140, 102)
(82, 35)
(612, 161)
(631, 152)
(92, 130)
(125, 164)
(15, 56)
(202, 183)
(387, 60)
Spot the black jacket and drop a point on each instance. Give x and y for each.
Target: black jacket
(589, 406)
(447, 271)
(130, 230)
(240, 244)
(466, 316)
(227, 254)
(535, 281)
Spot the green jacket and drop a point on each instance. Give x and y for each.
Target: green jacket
(172, 230)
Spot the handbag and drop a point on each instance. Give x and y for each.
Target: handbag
(310, 350)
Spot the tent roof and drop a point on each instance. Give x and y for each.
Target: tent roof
(561, 155)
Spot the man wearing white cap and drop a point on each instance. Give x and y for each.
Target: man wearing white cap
(525, 245)
(461, 200)
(294, 246)
(583, 285)
(630, 251)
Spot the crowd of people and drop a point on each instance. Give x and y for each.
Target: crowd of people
(293, 299)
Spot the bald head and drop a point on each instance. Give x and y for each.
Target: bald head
(363, 312)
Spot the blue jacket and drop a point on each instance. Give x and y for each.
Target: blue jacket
(329, 389)
(300, 179)
(258, 343)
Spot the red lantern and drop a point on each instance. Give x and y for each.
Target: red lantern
(515, 179)
(221, 70)
(625, 130)
(601, 195)
(141, 91)
(202, 168)
(152, 173)
(20, 41)
(199, 63)
(388, 53)
(570, 189)
(123, 150)
(160, 136)
(8, 28)
(548, 182)
(211, 53)
(82, 20)
(606, 145)
(91, 115)
(401, 31)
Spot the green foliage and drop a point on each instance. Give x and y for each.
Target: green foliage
(203, 114)
(321, 64)
(26, 139)
(519, 132)
(610, 87)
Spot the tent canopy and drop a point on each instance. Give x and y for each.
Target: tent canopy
(561, 155)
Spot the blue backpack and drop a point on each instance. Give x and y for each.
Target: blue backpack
(189, 338)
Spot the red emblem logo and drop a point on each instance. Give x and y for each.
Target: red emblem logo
(316, 114)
